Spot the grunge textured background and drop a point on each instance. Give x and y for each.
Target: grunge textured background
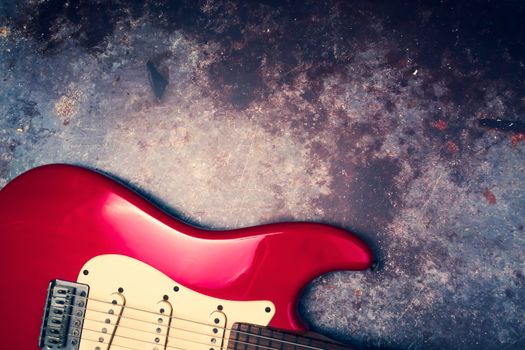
(359, 114)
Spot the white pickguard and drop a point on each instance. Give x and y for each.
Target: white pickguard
(189, 320)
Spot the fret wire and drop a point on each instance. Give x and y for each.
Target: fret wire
(295, 341)
(236, 339)
(270, 335)
(237, 335)
(259, 337)
(252, 336)
(234, 343)
(247, 338)
(287, 341)
(309, 341)
(281, 346)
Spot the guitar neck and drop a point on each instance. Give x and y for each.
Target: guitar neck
(251, 337)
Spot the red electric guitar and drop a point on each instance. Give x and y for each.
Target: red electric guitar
(89, 264)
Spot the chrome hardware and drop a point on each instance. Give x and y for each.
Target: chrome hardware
(63, 315)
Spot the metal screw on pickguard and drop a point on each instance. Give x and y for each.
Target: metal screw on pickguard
(176, 288)
(85, 272)
(121, 290)
(267, 309)
(216, 320)
(219, 307)
(165, 297)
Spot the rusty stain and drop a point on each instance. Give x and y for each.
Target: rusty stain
(66, 106)
(516, 139)
(440, 124)
(4, 32)
(489, 196)
(452, 148)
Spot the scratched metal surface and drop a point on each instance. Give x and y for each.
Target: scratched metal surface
(359, 114)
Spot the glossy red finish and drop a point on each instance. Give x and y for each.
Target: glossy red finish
(55, 218)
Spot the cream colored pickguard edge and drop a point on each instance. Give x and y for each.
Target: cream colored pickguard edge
(146, 288)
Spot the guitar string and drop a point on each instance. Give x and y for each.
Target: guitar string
(189, 331)
(170, 336)
(140, 340)
(166, 345)
(116, 345)
(191, 321)
(162, 345)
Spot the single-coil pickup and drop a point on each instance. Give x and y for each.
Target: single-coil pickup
(102, 322)
(145, 327)
(162, 328)
(218, 322)
(125, 326)
(197, 334)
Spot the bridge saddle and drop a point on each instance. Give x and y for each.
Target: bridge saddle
(63, 315)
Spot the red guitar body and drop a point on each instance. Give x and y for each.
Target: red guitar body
(55, 218)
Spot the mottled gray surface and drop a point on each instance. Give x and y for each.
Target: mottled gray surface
(359, 115)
